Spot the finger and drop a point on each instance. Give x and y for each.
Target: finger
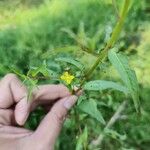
(6, 117)
(11, 90)
(50, 92)
(14, 130)
(7, 132)
(43, 94)
(51, 125)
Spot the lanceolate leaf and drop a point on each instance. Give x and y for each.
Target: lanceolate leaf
(71, 61)
(90, 107)
(120, 62)
(18, 73)
(82, 140)
(99, 85)
(43, 69)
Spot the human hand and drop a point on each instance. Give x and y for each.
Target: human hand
(15, 109)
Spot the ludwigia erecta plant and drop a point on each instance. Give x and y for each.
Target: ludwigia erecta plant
(73, 73)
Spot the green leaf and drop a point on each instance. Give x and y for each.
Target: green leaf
(70, 33)
(81, 98)
(115, 134)
(82, 140)
(128, 76)
(34, 71)
(44, 71)
(52, 73)
(90, 107)
(18, 73)
(81, 32)
(99, 85)
(71, 61)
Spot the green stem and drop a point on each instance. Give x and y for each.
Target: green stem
(110, 43)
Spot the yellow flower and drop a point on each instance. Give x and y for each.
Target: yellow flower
(67, 77)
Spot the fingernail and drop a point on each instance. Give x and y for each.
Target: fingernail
(70, 102)
(21, 121)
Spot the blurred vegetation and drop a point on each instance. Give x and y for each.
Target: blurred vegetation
(32, 31)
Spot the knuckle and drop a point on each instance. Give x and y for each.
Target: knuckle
(5, 103)
(10, 76)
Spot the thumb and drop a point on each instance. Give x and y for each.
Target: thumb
(51, 125)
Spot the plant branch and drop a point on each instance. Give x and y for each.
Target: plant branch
(83, 47)
(110, 43)
(87, 50)
(117, 115)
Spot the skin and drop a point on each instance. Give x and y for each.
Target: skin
(15, 109)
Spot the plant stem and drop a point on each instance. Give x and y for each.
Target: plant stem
(110, 43)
